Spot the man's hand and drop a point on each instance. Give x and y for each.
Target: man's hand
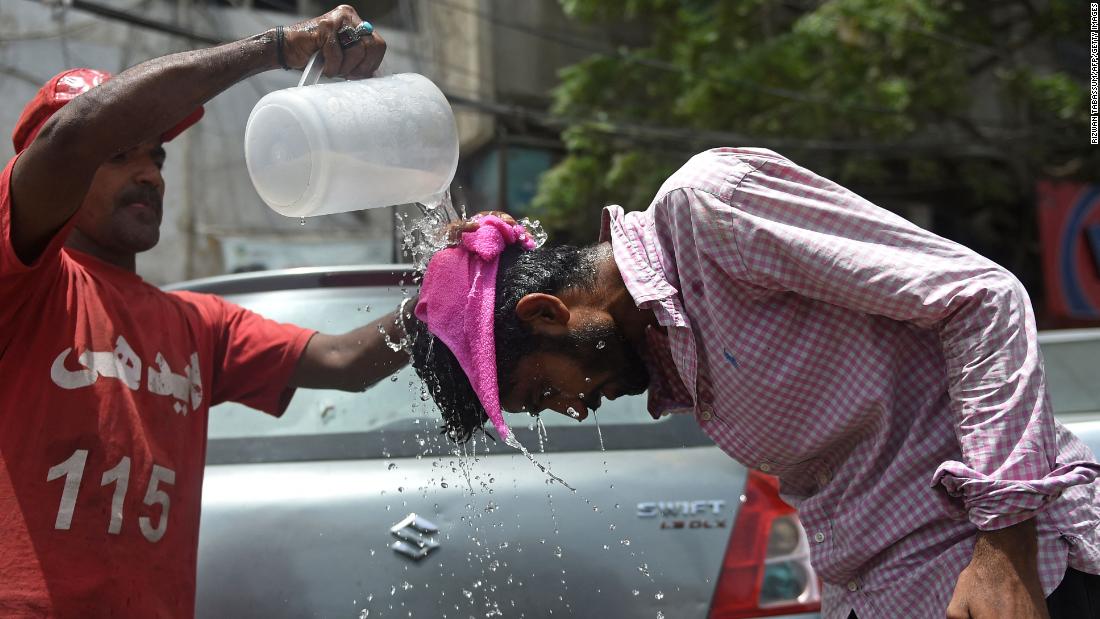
(455, 229)
(1002, 579)
(358, 60)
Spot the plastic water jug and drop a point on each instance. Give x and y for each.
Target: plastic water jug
(330, 148)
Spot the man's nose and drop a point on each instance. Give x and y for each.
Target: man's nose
(148, 173)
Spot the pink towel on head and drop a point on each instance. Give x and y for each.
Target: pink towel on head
(456, 301)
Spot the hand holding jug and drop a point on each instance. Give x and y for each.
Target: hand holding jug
(353, 56)
(332, 148)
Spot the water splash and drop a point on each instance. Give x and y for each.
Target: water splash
(535, 230)
(430, 233)
(427, 234)
(515, 444)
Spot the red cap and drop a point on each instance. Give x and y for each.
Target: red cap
(62, 88)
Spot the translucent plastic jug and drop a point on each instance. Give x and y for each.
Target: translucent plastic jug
(330, 148)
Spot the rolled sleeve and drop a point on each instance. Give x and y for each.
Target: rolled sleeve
(781, 227)
(995, 503)
(1003, 418)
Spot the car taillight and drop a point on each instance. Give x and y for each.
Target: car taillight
(766, 570)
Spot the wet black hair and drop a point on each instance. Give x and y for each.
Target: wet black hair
(549, 270)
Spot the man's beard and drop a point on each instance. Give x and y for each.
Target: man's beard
(599, 346)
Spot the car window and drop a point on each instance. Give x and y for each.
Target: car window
(1072, 376)
(392, 402)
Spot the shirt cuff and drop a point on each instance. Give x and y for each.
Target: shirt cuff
(993, 504)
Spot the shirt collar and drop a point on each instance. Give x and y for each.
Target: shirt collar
(636, 251)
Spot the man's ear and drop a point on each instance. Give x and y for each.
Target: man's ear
(543, 313)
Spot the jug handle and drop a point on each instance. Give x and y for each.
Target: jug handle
(312, 73)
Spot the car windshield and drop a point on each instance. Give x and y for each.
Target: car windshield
(392, 402)
(1070, 363)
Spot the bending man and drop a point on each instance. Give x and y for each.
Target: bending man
(890, 378)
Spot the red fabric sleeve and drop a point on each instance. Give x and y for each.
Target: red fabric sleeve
(10, 264)
(254, 357)
(20, 282)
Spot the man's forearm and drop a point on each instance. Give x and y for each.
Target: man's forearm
(355, 360)
(1016, 545)
(374, 357)
(145, 100)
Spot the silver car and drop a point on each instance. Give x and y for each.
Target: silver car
(354, 505)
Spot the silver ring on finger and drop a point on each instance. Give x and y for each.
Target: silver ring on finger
(348, 36)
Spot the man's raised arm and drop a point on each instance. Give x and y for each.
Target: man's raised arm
(51, 177)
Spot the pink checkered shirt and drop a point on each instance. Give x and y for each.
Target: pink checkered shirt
(890, 378)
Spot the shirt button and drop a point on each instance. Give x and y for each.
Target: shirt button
(819, 537)
(706, 413)
(765, 467)
(853, 585)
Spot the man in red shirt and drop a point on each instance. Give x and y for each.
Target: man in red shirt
(107, 380)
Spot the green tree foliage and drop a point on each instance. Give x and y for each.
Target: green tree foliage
(957, 105)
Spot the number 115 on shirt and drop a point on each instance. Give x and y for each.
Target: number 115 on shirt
(72, 469)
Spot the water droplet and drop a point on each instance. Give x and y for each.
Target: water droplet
(600, 345)
(557, 551)
(660, 615)
(624, 542)
(659, 596)
(400, 488)
(391, 466)
(302, 221)
(634, 591)
(444, 484)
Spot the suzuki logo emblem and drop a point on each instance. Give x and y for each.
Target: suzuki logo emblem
(413, 535)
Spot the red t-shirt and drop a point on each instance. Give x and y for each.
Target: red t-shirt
(105, 384)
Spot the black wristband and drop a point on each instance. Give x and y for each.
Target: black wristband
(280, 36)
